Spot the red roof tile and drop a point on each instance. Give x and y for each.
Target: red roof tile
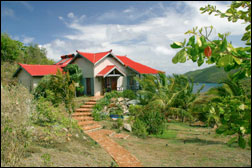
(93, 57)
(65, 60)
(140, 68)
(105, 70)
(41, 70)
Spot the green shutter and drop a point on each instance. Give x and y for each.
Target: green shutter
(84, 84)
(128, 82)
(92, 86)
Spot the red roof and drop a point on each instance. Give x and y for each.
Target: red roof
(65, 60)
(41, 70)
(106, 70)
(94, 57)
(140, 68)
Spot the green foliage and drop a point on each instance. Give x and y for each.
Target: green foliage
(211, 74)
(173, 95)
(47, 160)
(129, 94)
(233, 115)
(13, 50)
(75, 75)
(16, 107)
(139, 128)
(57, 88)
(118, 124)
(10, 49)
(97, 113)
(45, 113)
(231, 111)
(223, 53)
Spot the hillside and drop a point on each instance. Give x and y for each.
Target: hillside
(208, 75)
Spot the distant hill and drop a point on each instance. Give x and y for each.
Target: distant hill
(208, 75)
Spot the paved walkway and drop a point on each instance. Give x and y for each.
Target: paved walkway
(122, 157)
(84, 117)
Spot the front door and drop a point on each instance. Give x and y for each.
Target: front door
(88, 85)
(114, 83)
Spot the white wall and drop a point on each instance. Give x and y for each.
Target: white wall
(25, 78)
(86, 67)
(35, 81)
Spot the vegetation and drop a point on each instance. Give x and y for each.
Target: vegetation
(16, 51)
(98, 113)
(232, 111)
(75, 76)
(16, 108)
(212, 74)
(57, 89)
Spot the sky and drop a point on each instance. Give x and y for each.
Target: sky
(141, 30)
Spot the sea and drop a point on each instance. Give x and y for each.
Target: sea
(206, 88)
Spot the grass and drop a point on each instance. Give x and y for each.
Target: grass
(184, 145)
(167, 134)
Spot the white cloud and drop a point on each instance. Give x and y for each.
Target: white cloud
(147, 41)
(7, 12)
(27, 40)
(70, 15)
(27, 5)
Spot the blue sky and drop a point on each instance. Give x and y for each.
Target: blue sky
(141, 30)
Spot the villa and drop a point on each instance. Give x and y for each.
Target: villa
(102, 71)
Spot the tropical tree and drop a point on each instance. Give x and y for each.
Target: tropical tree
(173, 95)
(232, 113)
(75, 76)
(57, 89)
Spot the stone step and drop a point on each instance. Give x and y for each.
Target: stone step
(93, 100)
(82, 114)
(90, 103)
(83, 118)
(83, 110)
(85, 123)
(87, 106)
(92, 127)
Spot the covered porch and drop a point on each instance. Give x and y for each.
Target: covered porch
(111, 79)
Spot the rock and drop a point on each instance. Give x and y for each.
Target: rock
(65, 129)
(133, 102)
(112, 105)
(126, 99)
(127, 127)
(120, 99)
(84, 138)
(113, 99)
(77, 135)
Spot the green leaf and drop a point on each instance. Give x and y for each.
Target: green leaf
(221, 35)
(232, 140)
(191, 41)
(238, 60)
(241, 142)
(177, 45)
(225, 61)
(200, 60)
(199, 41)
(224, 45)
(179, 57)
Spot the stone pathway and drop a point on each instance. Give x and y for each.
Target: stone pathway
(102, 136)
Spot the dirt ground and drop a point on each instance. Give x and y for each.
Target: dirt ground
(191, 147)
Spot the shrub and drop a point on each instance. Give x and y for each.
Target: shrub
(16, 107)
(139, 128)
(129, 94)
(45, 113)
(118, 124)
(154, 120)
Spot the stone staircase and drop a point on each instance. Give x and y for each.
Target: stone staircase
(84, 116)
